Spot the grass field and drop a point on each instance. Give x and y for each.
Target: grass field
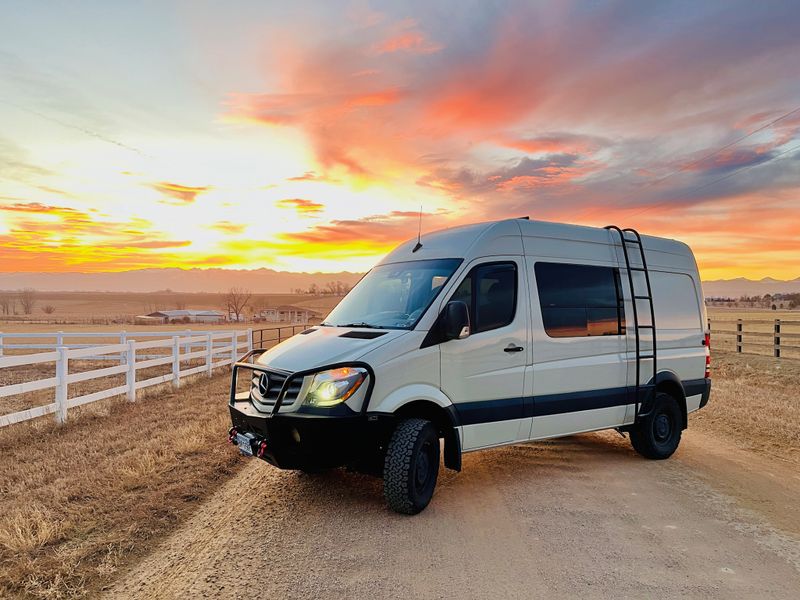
(80, 501)
(108, 307)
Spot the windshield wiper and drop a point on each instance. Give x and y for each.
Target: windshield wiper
(362, 324)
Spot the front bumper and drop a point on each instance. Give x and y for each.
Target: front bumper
(309, 438)
(296, 442)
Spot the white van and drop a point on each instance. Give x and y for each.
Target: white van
(481, 336)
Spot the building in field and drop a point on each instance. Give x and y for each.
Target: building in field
(162, 317)
(287, 314)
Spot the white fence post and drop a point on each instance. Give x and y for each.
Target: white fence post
(234, 345)
(130, 375)
(62, 369)
(209, 353)
(59, 338)
(176, 362)
(249, 340)
(123, 339)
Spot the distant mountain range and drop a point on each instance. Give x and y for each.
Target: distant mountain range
(735, 288)
(259, 281)
(267, 281)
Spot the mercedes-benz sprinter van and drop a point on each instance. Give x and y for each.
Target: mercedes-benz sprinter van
(481, 336)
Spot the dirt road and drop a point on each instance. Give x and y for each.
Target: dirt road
(578, 517)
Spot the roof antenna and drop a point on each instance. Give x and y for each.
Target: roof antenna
(419, 232)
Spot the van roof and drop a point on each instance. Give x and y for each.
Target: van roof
(505, 238)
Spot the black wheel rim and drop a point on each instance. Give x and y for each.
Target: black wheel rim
(662, 427)
(423, 467)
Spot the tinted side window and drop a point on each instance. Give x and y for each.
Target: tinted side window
(490, 292)
(580, 300)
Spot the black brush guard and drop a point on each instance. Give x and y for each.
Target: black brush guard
(310, 438)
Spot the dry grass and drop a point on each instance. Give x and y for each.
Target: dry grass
(754, 403)
(78, 501)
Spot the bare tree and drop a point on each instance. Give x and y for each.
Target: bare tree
(48, 309)
(180, 305)
(7, 303)
(27, 298)
(236, 301)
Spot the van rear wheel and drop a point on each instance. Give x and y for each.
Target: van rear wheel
(411, 466)
(658, 434)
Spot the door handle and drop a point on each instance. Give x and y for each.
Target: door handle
(513, 348)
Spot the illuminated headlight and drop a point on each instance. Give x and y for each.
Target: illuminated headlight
(329, 388)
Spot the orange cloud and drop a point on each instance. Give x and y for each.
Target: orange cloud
(176, 191)
(45, 237)
(302, 206)
(374, 234)
(228, 227)
(552, 143)
(407, 41)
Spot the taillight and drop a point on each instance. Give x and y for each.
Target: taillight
(707, 344)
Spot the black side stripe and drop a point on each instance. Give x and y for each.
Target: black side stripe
(490, 411)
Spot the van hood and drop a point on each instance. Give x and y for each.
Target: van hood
(326, 345)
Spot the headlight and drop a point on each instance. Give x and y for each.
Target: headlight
(329, 388)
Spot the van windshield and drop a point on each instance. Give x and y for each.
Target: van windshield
(393, 296)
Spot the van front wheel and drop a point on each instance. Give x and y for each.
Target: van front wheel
(411, 466)
(658, 434)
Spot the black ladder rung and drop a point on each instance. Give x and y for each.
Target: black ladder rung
(634, 241)
(641, 356)
(645, 326)
(643, 297)
(637, 269)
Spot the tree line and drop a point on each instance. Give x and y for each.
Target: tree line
(332, 288)
(773, 301)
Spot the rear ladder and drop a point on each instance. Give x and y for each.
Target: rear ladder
(644, 393)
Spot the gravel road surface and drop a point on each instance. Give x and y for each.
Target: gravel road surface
(576, 517)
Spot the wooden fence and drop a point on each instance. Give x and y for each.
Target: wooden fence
(211, 349)
(775, 337)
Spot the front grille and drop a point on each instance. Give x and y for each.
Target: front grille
(276, 381)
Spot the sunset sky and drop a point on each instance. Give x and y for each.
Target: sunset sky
(305, 136)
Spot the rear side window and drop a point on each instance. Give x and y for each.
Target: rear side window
(580, 300)
(490, 293)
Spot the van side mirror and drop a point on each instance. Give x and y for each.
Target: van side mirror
(455, 321)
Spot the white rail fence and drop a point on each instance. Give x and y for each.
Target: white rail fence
(215, 349)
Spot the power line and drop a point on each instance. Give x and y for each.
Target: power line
(698, 161)
(722, 149)
(723, 178)
(84, 130)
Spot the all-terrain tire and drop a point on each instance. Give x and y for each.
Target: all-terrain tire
(658, 434)
(411, 466)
